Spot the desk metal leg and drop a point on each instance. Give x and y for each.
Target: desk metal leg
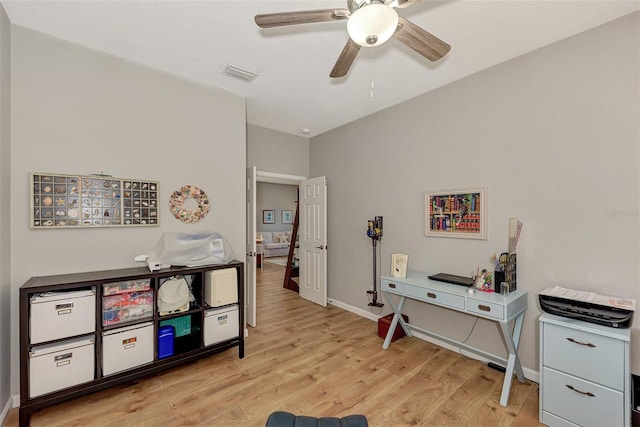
(513, 361)
(397, 317)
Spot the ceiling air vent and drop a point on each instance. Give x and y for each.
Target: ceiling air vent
(239, 73)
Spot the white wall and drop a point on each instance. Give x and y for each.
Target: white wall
(5, 182)
(77, 111)
(275, 197)
(553, 134)
(273, 151)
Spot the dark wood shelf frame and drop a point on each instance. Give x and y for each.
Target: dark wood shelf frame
(95, 280)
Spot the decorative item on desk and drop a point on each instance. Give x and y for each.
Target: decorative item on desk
(504, 288)
(498, 279)
(483, 280)
(515, 227)
(510, 272)
(399, 263)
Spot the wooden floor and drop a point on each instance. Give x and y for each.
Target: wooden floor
(308, 360)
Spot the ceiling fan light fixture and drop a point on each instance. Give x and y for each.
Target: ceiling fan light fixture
(372, 24)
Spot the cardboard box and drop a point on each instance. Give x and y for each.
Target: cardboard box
(221, 287)
(385, 322)
(56, 315)
(53, 367)
(127, 347)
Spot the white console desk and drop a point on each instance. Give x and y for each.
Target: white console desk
(492, 306)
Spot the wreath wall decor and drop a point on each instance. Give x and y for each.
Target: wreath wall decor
(177, 199)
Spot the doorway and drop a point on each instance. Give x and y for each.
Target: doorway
(254, 176)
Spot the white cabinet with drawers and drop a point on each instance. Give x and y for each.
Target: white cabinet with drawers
(584, 373)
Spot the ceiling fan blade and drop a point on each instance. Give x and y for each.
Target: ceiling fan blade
(401, 4)
(271, 20)
(423, 42)
(349, 53)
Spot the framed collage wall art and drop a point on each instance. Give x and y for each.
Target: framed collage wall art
(68, 201)
(456, 213)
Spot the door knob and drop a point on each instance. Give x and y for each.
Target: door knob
(320, 247)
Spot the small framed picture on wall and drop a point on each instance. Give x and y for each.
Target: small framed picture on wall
(268, 217)
(287, 217)
(456, 213)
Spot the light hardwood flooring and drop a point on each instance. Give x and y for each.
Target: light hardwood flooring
(308, 360)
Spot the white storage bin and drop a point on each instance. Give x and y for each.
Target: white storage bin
(126, 348)
(56, 315)
(53, 367)
(221, 324)
(221, 287)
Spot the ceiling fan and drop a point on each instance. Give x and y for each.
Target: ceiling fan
(369, 23)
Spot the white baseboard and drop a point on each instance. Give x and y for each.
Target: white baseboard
(529, 374)
(13, 402)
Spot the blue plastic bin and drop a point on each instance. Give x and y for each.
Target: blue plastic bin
(166, 335)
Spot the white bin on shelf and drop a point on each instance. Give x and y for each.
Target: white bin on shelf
(221, 324)
(126, 348)
(53, 367)
(221, 287)
(56, 315)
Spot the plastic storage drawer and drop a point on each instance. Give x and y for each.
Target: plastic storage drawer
(126, 307)
(221, 287)
(53, 367)
(58, 315)
(127, 286)
(126, 348)
(221, 325)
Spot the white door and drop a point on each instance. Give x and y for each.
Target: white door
(250, 265)
(313, 240)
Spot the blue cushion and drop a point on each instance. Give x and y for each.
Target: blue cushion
(287, 419)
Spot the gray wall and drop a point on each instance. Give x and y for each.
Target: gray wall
(77, 111)
(554, 136)
(5, 183)
(275, 197)
(273, 151)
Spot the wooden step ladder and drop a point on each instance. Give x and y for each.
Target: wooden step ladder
(292, 272)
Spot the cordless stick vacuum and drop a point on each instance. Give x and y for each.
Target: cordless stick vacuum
(374, 231)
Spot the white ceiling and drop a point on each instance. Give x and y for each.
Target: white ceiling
(196, 39)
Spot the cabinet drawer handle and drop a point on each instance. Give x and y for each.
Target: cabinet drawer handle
(484, 307)
(431, 295)
(587, 393)
(392, 286)
(586, 344)
(64, 305)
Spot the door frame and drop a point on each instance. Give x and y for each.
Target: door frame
(274, 178)
(278, 178)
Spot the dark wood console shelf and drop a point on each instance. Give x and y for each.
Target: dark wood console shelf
(200, 336)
